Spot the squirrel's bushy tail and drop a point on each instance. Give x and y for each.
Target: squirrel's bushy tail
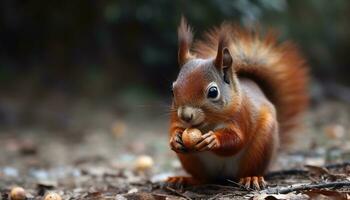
(278, 68)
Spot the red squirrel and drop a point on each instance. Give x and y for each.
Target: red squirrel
(244, 92)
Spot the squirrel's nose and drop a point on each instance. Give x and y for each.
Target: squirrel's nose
(185, 114)
(187, 117)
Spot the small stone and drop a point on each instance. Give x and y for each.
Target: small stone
(144, 163)
(17, 193)
(52, 196)
(335, 131)
(133, 190)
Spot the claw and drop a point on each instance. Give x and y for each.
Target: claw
(179, 182)
(178, 139)
(253, 182)
(262, 182)
(208, 142)
(177, 145)
(173, 182)
(247, 182)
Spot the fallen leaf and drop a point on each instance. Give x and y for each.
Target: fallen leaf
(326, 194)
(144, 196)
(322, 171)
(316, 170)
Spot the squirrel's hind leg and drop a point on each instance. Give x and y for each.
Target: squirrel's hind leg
(181, 181)
(261, 152)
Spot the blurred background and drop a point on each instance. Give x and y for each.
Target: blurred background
(85, 78)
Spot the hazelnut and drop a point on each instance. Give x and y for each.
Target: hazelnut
(190, 137)
(17, 193)
(52, 196)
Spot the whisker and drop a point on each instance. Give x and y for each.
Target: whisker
(163, 108)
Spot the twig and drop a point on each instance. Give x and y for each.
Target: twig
(177, 192)
(337, 165)
(215, 196)
(221, 186)
(167, 196)
(285, 190)
(289, 172)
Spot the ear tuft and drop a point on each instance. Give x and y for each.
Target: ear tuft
(185, 37)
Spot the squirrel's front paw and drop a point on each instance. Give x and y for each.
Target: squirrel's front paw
(176, 143)
(208, 142)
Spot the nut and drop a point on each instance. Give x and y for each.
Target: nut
(52, 196)
(17, 193)
(190, 137)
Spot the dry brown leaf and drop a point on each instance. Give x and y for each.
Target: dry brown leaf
(322, 171)
(326, 194)
(317, 171)
(148, 196)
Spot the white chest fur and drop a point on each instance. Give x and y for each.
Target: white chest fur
(219, 166)
(215, 166)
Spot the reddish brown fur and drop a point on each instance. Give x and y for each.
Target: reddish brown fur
(278, 68)
(192, 165)
(192, 86)
(185, 40)
(241, 131)
(260, 146)
(235, 135)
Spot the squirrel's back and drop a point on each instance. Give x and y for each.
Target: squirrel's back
(278, 69)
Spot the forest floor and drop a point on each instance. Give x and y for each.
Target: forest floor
(94, 152)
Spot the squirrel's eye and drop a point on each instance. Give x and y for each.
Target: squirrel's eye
(213, 93)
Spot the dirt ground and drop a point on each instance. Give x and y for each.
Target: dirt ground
(93, 151)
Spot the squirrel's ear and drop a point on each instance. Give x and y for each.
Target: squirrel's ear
(185, 40)
(223, 58)
(227, 58)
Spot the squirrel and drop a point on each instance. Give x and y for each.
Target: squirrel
(245, 93)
